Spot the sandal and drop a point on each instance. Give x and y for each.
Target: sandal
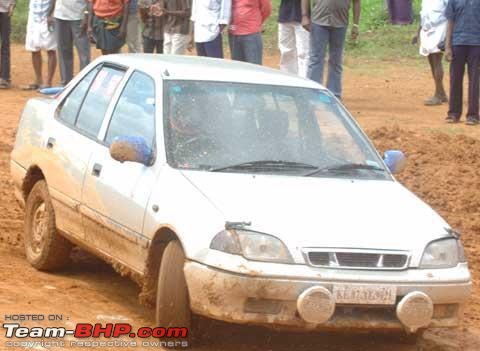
(32, 86)
(5, 84)
(452, 119)
(433, 101)
(472, 121)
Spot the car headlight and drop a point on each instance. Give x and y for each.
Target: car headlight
(444, 253)
(252, 245)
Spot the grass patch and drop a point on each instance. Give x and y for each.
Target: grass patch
(19, 21)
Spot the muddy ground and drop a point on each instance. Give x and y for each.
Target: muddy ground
(386, 98)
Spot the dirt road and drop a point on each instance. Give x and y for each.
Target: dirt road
(386, 98)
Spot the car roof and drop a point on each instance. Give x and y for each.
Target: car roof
(176, 67)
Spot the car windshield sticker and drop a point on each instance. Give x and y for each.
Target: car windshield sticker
(325, 98)
(176, 89)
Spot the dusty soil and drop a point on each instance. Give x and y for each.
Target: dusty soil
(386, 98)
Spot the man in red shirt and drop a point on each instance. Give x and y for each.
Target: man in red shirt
(245, 36)
(108, 24)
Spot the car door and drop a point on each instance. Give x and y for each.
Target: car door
(115, 195)
(69, 143)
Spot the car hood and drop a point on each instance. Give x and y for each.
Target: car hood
(324, 212)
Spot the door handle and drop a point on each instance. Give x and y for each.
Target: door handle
(50, 143)
(97, 169)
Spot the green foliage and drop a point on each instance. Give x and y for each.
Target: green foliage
(375, 14)
(270, 28)
(19, 21)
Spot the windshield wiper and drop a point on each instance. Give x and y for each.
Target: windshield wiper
(345, 167)
(266, 164)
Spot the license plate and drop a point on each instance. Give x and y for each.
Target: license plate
(365, 294)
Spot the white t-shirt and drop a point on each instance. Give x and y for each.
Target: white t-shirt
(433, 13)
(434, 26)
(207, 16)
(70, 10)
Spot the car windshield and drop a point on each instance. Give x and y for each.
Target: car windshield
(267, 129)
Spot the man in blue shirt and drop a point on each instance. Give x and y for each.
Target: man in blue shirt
(462, 48)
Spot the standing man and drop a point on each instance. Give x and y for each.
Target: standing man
(108, 24)
(293, 39)
(462, 48)
(327, 22)
(432, 32)
(40, 36)
(133, 28)
(177, 35)
(70, 18)
(245, 37)
(210, 17)
(6, 12)
(152, 13)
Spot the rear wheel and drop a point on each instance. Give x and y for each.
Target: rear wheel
(173, 307)
(44, 247)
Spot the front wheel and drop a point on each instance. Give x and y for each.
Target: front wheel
(173, 307)
(44, 247)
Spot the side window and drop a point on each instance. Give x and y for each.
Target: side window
(134, 114)
(69, 109)
(96, 102)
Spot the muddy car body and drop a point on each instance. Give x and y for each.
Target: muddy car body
(234, 192)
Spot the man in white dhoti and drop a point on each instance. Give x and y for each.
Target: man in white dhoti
(432, 33)
(41, 36)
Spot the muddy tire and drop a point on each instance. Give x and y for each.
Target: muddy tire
(173, 306)
(45, 249)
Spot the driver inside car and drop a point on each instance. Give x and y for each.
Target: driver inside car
(189, 121)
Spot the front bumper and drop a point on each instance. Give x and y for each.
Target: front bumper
(272, 301)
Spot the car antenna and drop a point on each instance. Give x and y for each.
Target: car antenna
(233, 225)
(166, 73)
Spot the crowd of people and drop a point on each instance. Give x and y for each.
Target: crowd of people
(307, 30)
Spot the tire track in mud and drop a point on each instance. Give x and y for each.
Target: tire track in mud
(11, 216)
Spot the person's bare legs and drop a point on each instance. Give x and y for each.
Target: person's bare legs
(37, 67)
(436, 66)
(52, 66)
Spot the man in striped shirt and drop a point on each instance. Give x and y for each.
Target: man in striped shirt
(6, 11)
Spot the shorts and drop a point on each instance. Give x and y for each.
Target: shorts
(39, 37)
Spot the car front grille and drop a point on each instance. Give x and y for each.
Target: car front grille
(357, 259)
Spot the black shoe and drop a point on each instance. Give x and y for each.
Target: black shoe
(472, 121)
(452, 119)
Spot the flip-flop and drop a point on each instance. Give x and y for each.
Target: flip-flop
(32, 86)
(433, 101)
(452, 119)
(5, 85)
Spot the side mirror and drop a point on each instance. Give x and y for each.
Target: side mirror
(132, 149)
(395, 160)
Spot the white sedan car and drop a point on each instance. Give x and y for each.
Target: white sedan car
(234, 192)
